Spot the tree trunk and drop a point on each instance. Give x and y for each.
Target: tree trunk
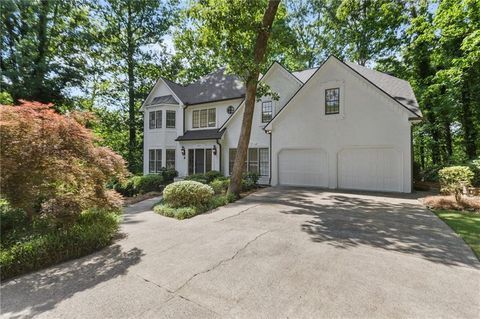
(132, 130)
(250, 96)
(40, 60)
(448, 140)
(469, 131)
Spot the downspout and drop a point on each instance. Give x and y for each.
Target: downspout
(183, 128)
(270, 165)
(411, 157)
(219, 156)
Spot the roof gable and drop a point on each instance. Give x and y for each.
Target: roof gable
(397, 89)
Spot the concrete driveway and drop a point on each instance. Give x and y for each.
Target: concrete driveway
(281, 252)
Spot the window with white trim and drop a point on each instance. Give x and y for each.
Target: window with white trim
(170, 119)
(332, 101)
(170, 158)
(257, 161)
(267, 111)
(155, 119)
(204, 118)
(154, 161)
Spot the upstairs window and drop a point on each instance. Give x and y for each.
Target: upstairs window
(170, 119)
(332, 101)
(155, 119)
(267, 111)
(204, 118)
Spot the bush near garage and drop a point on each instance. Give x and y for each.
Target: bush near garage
(454, 179)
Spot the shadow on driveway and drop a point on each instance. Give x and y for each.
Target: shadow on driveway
(394, 222)
(41, 291)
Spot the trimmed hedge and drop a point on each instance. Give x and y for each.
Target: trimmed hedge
(187, 194)
(144, 183)
(206, 178)
(220, 185)
(43, 244)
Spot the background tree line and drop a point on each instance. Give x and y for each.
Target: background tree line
(105, 56)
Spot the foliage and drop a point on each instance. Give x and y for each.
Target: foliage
(5, 98)
(43, 243)
(206, 178)
(176, 212)
(187, 193)
(475, 167)
(453, 180)
(55, 158)
(249, 181)
(465, 224)
(220, 185)
(190, 211)
(449, 202)
(148, 183)
(10, 217)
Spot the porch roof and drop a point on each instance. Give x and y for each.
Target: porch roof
(193, 135)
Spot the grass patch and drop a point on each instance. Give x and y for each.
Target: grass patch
(466, 224)
(42, 243)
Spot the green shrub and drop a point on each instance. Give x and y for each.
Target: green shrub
(201, 178)
(249, 181)
(10, 217)
(206, 178)
(178, 213)
(220, 185)
(44, 244)
(168, 175)
(125, 188)
(147, 183)
(217, 201)
(187, 193)
(475, 167)
(212, 175)
(453, 179)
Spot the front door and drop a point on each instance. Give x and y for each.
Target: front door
(199, 160)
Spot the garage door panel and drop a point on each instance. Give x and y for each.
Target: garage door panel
(376, 169)
(303, 167)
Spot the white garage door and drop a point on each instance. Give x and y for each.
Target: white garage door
(376, 169)
(303, 167)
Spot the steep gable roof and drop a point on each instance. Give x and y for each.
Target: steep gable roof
(215, 86)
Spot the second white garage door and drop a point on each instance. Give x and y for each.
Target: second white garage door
(303, 167)
(376, 169)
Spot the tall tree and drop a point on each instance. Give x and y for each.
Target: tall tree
(129, 31)
(236, 33)
(42, 41)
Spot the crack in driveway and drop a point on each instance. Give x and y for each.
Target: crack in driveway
(239, 213)
(222, 261)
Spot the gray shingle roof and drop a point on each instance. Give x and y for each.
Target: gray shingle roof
(397, 88)
(210, 134)
(215, 86)
(165, 99)
(304, 75)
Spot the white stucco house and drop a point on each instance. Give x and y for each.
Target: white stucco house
(339, 125)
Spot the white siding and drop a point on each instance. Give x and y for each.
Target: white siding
(367, 119)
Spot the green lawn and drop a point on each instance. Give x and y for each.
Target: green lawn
(466, 224)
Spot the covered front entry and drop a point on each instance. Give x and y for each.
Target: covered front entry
(372, 168)
(303, 167)
(199, 160)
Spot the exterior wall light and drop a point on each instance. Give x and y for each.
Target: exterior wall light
(214, 150)
(183, 151)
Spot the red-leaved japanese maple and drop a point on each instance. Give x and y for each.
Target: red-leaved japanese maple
(50, 163)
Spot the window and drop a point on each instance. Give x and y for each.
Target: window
(267, 110)
(230, 109)
(264, 161)
(332, 101)
(199, 161)
(155, 119)
(170, 159)
(204, 118)
(257, 161)
(154, 161)
(170, 119)
(196, 119)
